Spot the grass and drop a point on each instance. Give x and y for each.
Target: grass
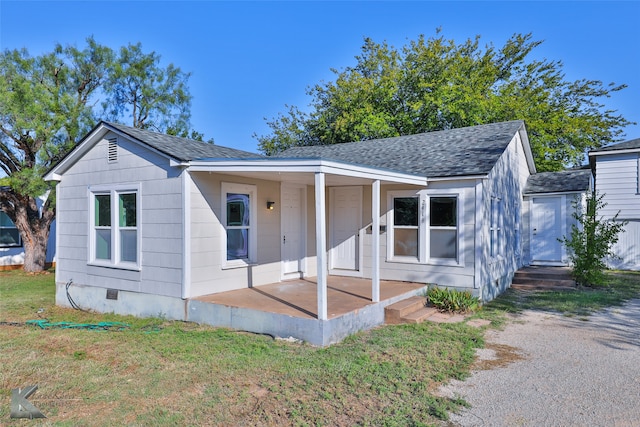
(162, 373)
(620, 287)
(157, 372)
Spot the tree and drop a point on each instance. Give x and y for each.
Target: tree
(155, 98)
(591, 240)
(47, 104)
(436, 84)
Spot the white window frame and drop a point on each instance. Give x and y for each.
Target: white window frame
(637, 174)
(496, 229)
(391, 256)
(252, 191)
(114, 191)
(458, 261)
(7, 245)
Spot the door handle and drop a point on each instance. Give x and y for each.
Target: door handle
(284, 239)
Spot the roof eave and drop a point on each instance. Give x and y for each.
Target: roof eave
(595, 153)
(101, 129)
(305, 165)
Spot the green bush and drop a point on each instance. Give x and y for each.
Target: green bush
(452, 301)
(591, 241)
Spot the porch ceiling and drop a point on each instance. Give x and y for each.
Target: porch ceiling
(303, 171)
(304, 178)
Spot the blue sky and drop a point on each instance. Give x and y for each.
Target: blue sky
(249, 59)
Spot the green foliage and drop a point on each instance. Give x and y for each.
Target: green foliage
(452, 300)
(591, 240)
(618, 288)
(436, 84)
(155, 97)
(47, 104)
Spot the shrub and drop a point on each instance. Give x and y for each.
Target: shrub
(452, 301)
(590, 242)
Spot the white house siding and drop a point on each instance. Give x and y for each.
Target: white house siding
(458, 276)
(617, 180)
(207, 253)
(160, 219)
(506, 181)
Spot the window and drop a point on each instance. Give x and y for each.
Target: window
(424, 227)
(115, 236)
(239, 221)
(443, 227)
(495, 229)
(637, 175)
(405, 226)
(9, 235)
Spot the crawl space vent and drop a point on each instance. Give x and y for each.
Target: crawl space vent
(113, 150)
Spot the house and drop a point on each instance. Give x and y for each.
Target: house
(616, 169)
(11, 249)
(151, 224)
(550, 199)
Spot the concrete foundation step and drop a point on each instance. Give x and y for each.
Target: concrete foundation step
(543, 278)
(419, 315)
(415, 310)
(394, 313)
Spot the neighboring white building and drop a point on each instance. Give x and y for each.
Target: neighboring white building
(617, 178)
(158, 220)
(549, 202)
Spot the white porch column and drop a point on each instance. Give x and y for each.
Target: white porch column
(375, 241)
(321, 245)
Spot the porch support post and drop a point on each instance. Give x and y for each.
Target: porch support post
(321, 245)
(375, 241)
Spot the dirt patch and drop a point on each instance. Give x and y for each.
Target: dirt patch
(496, 355)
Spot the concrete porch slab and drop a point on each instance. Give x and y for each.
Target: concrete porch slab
(289, 309)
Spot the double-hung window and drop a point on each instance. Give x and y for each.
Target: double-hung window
(239, 222)
(495, 229)
(405, 226)
(424, 227)
(443, 227)
(9, 234)
(406, 230)
(115, 236)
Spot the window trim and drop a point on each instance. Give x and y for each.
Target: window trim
(458, 261)
(421, 258)
(235, 188)
(637, 174)
(496, 228)
(114, 191)
(8, 245)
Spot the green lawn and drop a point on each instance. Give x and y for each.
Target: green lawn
(175, 373)
(157, 372)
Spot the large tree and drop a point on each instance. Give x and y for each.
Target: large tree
(436, 84)
(48, 102)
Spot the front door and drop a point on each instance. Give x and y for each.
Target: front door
(546, 228)
(346, 217)
(292, 225)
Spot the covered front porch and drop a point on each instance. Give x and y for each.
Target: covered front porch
(290, 308)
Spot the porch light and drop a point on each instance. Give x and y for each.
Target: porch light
(270, 205)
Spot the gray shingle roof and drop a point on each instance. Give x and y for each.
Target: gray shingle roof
(182, 149)
(627, 145)
(558, 182)
(449, 153)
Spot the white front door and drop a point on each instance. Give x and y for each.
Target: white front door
(547, 226)
(346, 217)
(293, 223)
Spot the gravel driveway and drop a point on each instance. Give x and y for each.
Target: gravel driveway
(544, 369)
